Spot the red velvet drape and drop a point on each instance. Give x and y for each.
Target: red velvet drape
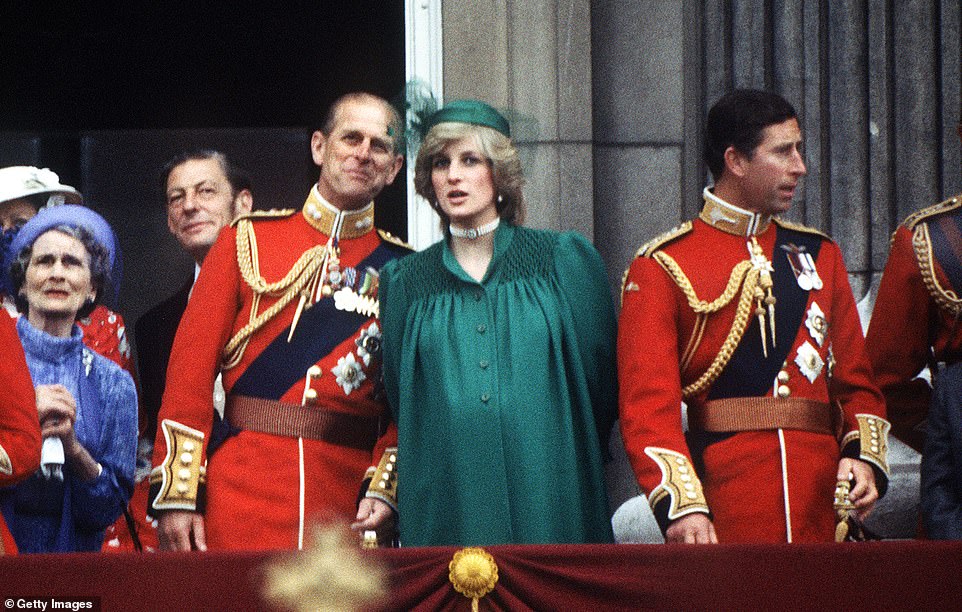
(877, 575)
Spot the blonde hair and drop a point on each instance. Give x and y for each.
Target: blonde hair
(495, 146)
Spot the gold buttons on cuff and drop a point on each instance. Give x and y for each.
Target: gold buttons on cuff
(189, 446)
(186, 458)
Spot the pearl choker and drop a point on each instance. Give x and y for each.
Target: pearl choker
(475, 232)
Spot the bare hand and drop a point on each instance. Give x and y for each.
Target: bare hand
(181, 530)
(695, 528)
(57, 411)
(864, 493)
(374, 514)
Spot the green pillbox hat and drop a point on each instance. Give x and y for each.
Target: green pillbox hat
(471, 111)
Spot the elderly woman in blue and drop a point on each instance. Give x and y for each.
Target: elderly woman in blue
(498, 356)
(87, 405)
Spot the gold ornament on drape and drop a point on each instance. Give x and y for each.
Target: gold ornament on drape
(473, 573)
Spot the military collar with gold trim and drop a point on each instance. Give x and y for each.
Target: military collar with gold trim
(331, 221)
(730, 218)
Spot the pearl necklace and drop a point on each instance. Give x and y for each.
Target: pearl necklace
(475, 232)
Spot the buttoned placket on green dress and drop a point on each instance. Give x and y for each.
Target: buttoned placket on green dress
(496, 387)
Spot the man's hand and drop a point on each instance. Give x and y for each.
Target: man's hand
(374, 514)
(181, 530)
(695, 528)
(864, 493)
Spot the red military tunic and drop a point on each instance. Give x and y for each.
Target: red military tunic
(263, 489)
(760, 484)
(915, 322)
(19, 427)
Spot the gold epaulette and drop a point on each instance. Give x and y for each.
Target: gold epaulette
(872, 435)
(274, 213)
(650, 247)
(936, 209)
(664, 238)
(383, 484)
(389, 237)
(679, 483)
(182, 472)
(798, 227)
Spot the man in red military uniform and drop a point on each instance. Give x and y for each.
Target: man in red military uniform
(285, 308)
(19, 425)
(915, 322)
(751, 322)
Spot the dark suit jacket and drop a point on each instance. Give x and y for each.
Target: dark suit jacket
(942, 459)
(154, 335)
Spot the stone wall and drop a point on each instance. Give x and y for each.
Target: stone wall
(610, 97)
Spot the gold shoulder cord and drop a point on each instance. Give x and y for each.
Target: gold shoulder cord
(743, 274)
(288, 288)
(926, 213)
(946, 299)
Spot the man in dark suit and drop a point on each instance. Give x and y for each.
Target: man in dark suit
(203, 192)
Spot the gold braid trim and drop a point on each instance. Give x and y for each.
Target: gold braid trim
(697, 333)
(300, 275)
(681, 279)
(384, 479)
(743, 274)
(924, 214)
(946, 299)
(679, 482)
(650, 247)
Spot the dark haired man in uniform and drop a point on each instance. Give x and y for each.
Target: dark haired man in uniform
(751, 322)
(285, 308)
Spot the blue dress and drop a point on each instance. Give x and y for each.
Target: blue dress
(50, 515)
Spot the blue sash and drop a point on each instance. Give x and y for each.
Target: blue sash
(946, 236)
(321, 328)
(749, 373)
